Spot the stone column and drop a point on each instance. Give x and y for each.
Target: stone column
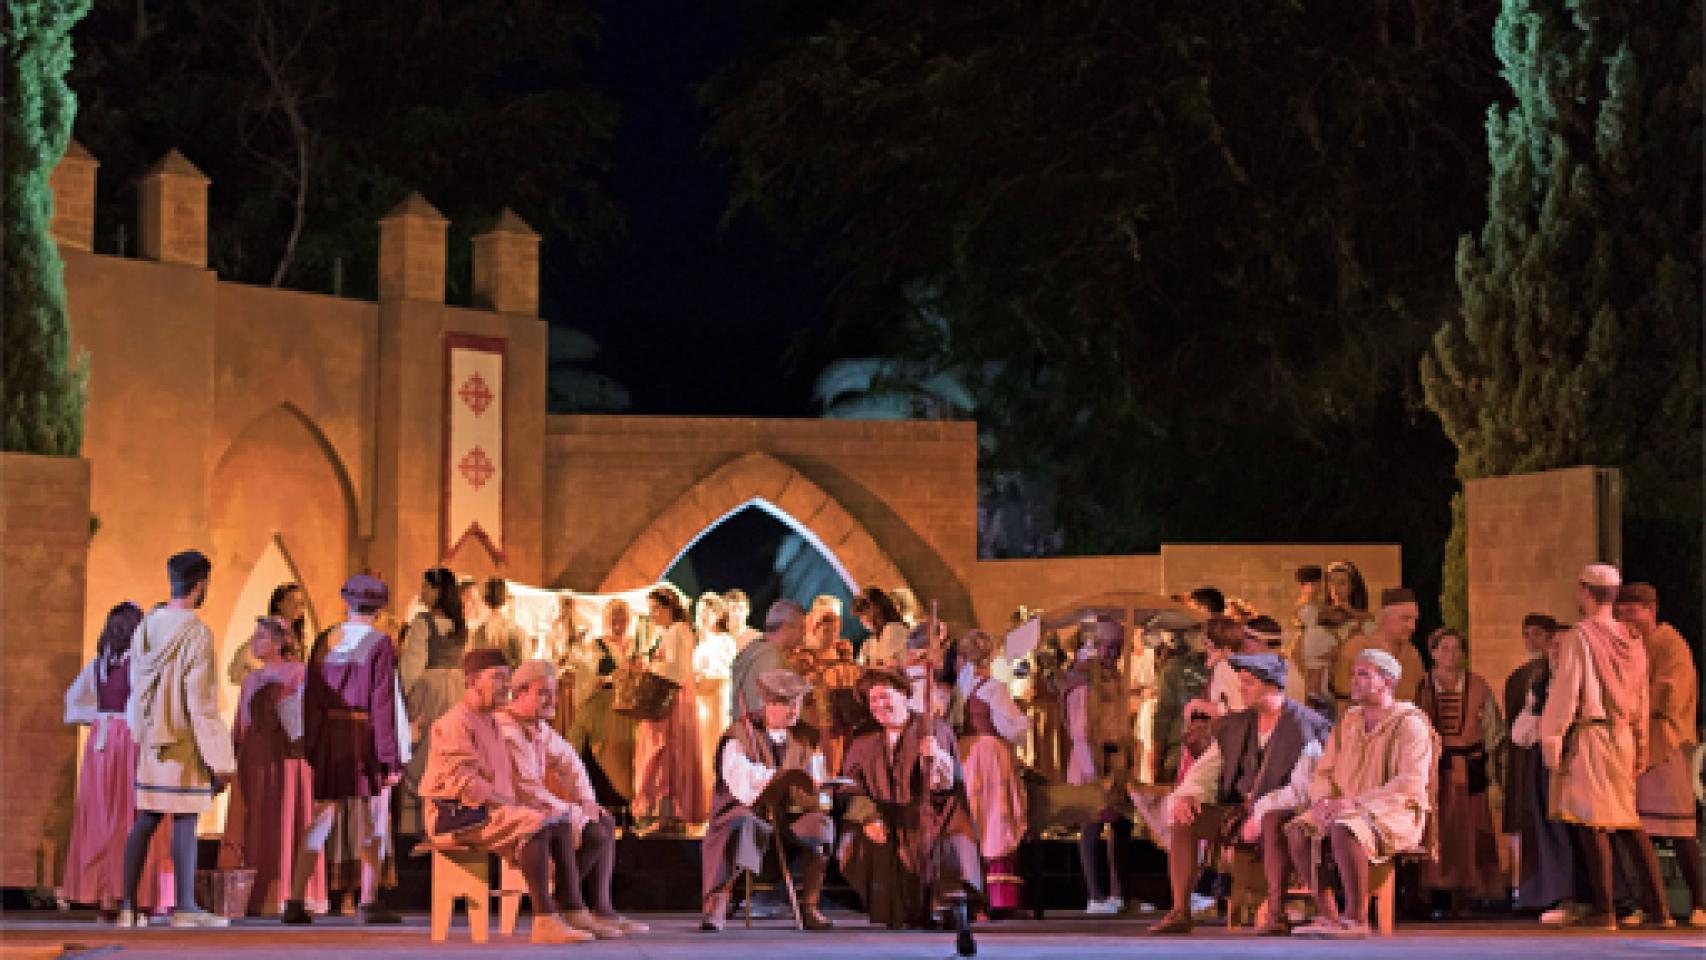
(44, 556)
(506, 267)
(73, 183)
(411, 252)
(172, 213)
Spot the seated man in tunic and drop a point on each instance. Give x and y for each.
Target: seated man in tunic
(1253, 778)
(471, 796)
(909, 841)
(749, 756)
(550, 778)
(1370, 793)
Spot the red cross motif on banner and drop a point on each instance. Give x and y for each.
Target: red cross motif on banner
(476, 467)
(476, 395)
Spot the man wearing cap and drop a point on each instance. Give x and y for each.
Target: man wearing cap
(784, 631)
(908, 840)
(1394, 625)
(1369, 796)
(749, 756)
(1593, 735)
(1252, 779)
(472, 799)
(550, 778)
(184, 753)
(1664, 792)
(351, 719)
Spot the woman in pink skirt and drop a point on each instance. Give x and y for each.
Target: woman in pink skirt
(106, 784)
(990, 724)
(669, 780)
(272, 802)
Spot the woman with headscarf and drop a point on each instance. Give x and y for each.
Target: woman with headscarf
(272, 801)
(105, 803)
(669, 780)
(990, 723)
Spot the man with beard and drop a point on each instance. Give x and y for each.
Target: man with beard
(909, 840)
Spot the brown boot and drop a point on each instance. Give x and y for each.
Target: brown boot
(1176, 921)
(811, 888)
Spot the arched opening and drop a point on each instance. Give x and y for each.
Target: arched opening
(764, 551)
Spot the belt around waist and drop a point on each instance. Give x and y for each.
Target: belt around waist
(341, 714)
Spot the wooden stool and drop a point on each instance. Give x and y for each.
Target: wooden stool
(511, 887)
(459, 873)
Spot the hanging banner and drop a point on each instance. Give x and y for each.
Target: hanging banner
(474, 443)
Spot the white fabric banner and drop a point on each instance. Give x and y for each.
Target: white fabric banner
(474, 444)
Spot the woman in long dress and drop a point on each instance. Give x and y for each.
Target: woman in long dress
(1463, 710)
(430, 665)
(711, 661)
(990, 725)
(669, 780)
(272, 803)
(105, 805)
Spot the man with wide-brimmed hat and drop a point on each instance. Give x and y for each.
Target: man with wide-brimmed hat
(1594, 736)
(766, 741)
(1248, 784)
(908, 842)
(351, 726)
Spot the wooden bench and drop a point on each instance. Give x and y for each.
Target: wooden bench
(464, 873)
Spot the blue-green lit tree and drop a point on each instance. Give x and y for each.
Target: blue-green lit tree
(43, 391)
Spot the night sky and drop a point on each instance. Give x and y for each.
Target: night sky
(692, 319)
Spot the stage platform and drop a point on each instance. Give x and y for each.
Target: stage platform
(43, 935)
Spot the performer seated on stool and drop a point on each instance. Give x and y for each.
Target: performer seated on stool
(472, 799)
(749, 757)
(911, 840)
(1369, 793)
(1245, 787)
(550, 778)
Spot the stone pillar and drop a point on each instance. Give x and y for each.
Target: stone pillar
(506, 267)
(411, 252)
(44, 556)
(173, 212)
(73, 183)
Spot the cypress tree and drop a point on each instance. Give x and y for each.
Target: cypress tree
(43, 393)
(1577, 338)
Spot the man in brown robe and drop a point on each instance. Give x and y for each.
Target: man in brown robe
(1664, 792)
(909, 839)
(749, 756)
(1394, 627)
(1593, 735)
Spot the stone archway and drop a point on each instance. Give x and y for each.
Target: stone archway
(755, 479)
(279, 486)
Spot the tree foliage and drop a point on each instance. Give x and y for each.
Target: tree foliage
(43, 391)
(1194, 249)
(1579, 336)
(314, 117)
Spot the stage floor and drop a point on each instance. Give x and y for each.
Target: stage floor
(27, 935)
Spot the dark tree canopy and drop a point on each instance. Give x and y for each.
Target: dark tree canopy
(1190, 252)
(1579, 336)
(314, 117)
(43, 391)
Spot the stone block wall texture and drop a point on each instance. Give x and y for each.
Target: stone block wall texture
(911, 486)
(73, 184)
(44, 546)
(1529, 535)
